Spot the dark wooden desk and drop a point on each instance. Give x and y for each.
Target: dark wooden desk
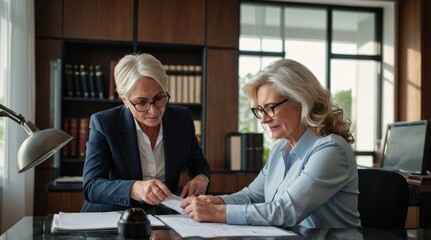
(421, 197)
(39, 228)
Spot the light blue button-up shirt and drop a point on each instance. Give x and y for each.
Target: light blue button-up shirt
(319, 189)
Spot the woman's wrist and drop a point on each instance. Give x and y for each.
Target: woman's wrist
(220, 214)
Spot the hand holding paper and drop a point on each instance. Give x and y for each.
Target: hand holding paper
(174, 203)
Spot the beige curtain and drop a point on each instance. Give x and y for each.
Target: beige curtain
(17, 67)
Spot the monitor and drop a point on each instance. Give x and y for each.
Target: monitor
(407, 147)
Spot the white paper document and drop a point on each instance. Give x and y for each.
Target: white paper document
(187, 227)
(174, 203)
(91, 221)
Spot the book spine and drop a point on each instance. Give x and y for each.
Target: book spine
(74, 132)
(191, 84)
(84, 79)
(66, 128)
(99, 82)
(77, 81)
(247, 151)
(198, 83)
(91, 82)
(251, 151)
(171, 83)
(178, 84)
(198, 130)
(83, 135)
(68, 75)
(233, 151)
(185, 83)
(112, 94)
(258, 149)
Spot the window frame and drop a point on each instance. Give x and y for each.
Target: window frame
(377, 57)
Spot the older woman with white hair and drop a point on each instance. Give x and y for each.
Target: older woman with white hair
(137, 151)
(310, 178)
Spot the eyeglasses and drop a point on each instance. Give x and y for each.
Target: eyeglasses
(268, 110)
(158, 101)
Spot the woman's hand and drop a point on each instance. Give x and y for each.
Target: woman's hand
(201, 210)
(195, 187)
(151, 191)
(212, 199)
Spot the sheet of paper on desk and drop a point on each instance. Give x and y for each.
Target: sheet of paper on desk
(187, 227)
(174, 203)
(91, 221)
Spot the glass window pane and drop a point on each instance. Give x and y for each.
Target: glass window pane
(260, 28)
(354, 33)
(305, 39)
(354, 88)
(3, 75)
(249, 66)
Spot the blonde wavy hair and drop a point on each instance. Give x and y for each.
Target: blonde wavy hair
(297, 83)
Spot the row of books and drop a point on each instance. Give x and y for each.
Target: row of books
(78, 128)
(244, 151)
(82, 81)
(185, 83)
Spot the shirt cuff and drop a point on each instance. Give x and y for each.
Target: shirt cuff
(227, 199)
(235, 214)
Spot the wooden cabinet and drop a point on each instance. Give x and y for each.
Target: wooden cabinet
(64, 202)
(172, 21)
(49, 18)
(225, 181)
(223, 23)
(46, 50)
(229, 182)
(221, 103)
(98, 19)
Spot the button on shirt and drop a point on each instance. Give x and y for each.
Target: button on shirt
(152, 160)
(314, 185)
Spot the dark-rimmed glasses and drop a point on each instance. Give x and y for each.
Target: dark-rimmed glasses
(268, 110)
(158, 101)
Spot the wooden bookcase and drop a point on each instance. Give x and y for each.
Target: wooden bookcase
(177, 32)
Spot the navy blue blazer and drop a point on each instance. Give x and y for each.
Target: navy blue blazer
(113, 164)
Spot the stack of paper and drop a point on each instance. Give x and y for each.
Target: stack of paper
(91, 221)
(187, 227)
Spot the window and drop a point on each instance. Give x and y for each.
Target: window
(3, 74)
(341, 45)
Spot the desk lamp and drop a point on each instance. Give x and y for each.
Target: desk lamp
(39, 145)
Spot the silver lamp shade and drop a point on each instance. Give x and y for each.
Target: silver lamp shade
(39, 145)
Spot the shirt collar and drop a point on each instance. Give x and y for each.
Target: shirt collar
(159, 137)
(301, 147)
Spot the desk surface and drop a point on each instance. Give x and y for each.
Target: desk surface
(39, 228)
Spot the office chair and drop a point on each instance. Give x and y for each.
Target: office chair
(383, 198)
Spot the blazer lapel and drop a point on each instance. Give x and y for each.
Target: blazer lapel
(171, 140)
(127, 138)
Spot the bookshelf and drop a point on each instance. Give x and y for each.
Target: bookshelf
(184, 68)
(95, 32)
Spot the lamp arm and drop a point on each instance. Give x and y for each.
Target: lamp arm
(12, 115)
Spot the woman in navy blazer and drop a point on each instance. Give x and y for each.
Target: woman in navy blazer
(137, 151)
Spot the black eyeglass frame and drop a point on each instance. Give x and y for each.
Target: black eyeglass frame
(257, 111)
(153, 102)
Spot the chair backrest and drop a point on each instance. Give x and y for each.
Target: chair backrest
(383, 198)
